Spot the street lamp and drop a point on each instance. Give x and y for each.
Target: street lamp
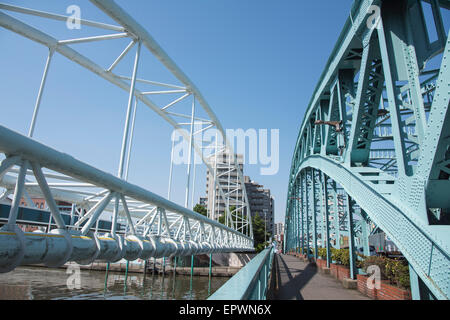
(265, 226)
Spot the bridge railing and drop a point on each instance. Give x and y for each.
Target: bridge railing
(251, 282)
(200, 234)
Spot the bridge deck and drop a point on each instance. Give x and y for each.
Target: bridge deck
(298, 280)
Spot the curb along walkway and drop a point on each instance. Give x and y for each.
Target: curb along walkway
(298, 280)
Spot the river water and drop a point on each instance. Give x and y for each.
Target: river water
(40, 283)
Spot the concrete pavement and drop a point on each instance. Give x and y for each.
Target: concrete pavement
(298, 280)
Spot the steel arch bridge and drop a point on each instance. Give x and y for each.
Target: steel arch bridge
(373, 149)
(155, 226)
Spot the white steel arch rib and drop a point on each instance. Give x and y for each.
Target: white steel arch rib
(169, 219)
(135, 31)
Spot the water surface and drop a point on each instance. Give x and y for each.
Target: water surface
(40, 283)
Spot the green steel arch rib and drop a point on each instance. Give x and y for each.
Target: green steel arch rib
(423, 249)
(373, 149)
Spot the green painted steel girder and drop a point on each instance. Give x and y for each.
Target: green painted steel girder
(378, 126)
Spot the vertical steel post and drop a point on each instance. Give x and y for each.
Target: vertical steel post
(173, 282)
(351, 235)
(145, 268)
(106, 278)
(160, 220)
(307, 213)
(193, 182)
(321, 209)
(213, 183)
(174, 265)
(41, 89)
(292, 216)
(151, 285)
(265, 279)
(259, 287)
(126, 278)
(129, 109)
(327, 222)
(297, 223)
(337, 225)
(365, 233)
(294, 227)
(49, 225)
(302, 225)
(164, 265)
(236, 196)
(162, 285)
(228, 189)
(72, 212)
(133, 120)
(419, 291)
(314, 211)
(192, 274)
(414, 281)
(186, 199)
(286, 240)
(294, 222)
(209, 274)
(115, 215)
(170, 171)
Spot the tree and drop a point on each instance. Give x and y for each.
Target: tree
(260, 234)
(258, 226)
(236, 218)
(200, 209)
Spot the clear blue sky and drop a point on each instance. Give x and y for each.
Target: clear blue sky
(256, 63)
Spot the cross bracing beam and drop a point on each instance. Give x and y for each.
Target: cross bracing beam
(83, 199)
(393, 165)
(59, 17)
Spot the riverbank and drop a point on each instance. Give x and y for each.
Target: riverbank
(138, 267)
(217, 271)
(43, 283)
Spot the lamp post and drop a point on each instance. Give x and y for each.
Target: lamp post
(265, 226)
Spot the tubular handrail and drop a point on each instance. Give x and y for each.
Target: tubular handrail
(17, 144)
(251, 282)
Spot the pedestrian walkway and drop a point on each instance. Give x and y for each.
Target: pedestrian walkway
(298, 280)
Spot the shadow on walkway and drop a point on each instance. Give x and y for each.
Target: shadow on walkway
(290, 288)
